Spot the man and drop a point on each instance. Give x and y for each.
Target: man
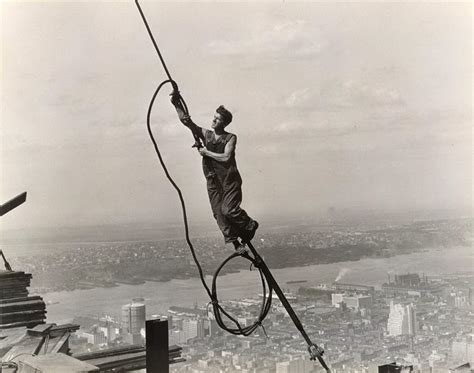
(224, 184)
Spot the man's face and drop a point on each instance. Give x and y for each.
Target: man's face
(218, 122)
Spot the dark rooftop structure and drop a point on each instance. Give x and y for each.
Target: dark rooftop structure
(45, 348)
(29, 344)
(395, 368)
(410, 283)
(17, 307)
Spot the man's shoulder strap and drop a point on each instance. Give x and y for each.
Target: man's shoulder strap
(229, 136)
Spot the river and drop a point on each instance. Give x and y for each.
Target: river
(64, 305)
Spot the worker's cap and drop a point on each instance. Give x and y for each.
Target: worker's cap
(226, 114)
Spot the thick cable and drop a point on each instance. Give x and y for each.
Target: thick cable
(265, 275)
(265, 305)
(153, 40)
(218, 310)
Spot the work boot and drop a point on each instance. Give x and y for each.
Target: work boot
(240, 248)
(250, 231)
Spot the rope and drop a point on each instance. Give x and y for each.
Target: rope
(265, 275)
(153, 40)
(265, 306)
(219, 312)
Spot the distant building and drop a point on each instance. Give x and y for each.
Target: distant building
(178, 322)
(294, 365)
(245, 321)
(175, 337)
(99, 338)
(401, 320)
(395, 368)
(353, 288)
(133, 317)
(213, 328)
(436, 361)
(410, 284)
(410, 280)
(132, 339)
(465, 368)
(109, 330)
(355, 302)
(94, 336)
(463, 298)
(193, 328)
(462, 349)
(185, 311)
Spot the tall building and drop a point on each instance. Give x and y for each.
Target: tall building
(190, 328)
(401, 320)
(214, 328)
(109, 331)
(463, 298)
(133, 317)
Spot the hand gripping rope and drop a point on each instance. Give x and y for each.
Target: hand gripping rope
(268, 281)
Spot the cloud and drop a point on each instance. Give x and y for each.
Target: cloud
(295, 36)
(269, 149)
(315, 123)
(289, 126)
(354, 91)
(343, 95)
(174, 129)
(298, 98)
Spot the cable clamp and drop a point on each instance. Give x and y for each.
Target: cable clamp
(214, 303)
(315, 351)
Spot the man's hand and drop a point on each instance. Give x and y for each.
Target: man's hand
(202, 151)
(175, 98)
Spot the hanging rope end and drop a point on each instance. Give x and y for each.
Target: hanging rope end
(259, 324)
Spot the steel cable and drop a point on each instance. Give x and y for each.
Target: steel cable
(217, 308)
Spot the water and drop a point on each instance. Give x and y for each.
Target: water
(160, 296)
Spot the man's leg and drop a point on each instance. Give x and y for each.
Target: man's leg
(216, 193)
(231, 209)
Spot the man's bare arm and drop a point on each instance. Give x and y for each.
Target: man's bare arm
(221, 157)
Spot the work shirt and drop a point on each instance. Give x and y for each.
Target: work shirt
(224, 173)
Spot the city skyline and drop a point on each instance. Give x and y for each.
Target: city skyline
(354, 124)
(400, 293)
(337, 106)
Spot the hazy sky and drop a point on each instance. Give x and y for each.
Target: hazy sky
(349, 105)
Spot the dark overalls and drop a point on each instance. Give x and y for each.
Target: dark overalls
(224, 186)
